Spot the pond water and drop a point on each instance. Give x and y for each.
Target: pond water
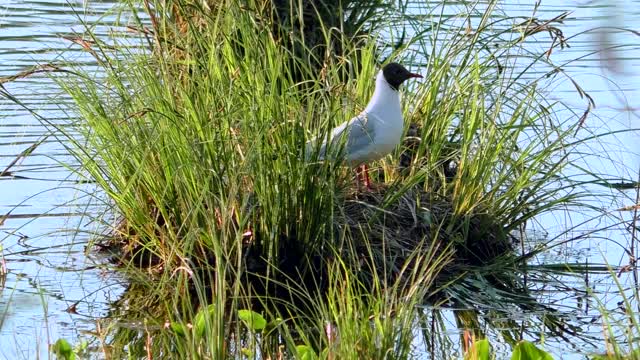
(48, 216)
(56, 288)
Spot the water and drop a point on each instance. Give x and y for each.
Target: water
(49, 222)
(607, 69)
(50, 271)
(611, 77)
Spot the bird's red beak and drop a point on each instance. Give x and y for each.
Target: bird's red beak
(413, 75)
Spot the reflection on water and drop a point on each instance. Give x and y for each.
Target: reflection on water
(50, 270)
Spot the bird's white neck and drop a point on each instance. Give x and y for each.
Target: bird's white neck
(384, 97)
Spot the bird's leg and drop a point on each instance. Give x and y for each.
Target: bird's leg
(362, 177)
(358, 177)
(365, 177)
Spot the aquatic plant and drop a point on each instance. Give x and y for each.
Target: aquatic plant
(197, 138)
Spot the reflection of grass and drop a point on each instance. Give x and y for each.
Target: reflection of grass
(199, 144)
(620, 325)
(3, 281)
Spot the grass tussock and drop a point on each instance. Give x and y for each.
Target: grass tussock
(198, 140)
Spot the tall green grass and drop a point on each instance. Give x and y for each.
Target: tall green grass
(198, 140)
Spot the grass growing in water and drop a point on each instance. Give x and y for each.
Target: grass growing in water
(198, 141)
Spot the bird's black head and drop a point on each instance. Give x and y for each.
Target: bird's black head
(396, 74)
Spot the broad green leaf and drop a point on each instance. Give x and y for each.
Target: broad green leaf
(305, 352)
(246, 352)
(252, 319)
(178, 328)
(480, 350)
(63, 350)
(204, 315)
(528, 351)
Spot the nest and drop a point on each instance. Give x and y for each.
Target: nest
(393, 232)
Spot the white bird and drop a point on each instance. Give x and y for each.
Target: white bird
(377, 130)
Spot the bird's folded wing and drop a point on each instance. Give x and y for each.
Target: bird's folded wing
(357, 134)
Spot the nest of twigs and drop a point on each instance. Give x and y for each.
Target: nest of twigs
(389, 233)
(380, 239)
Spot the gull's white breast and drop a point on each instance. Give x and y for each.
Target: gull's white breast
(375, 132)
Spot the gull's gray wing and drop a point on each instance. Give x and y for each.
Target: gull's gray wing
(357, 134)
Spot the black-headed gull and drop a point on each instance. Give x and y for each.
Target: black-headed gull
(377, 130)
